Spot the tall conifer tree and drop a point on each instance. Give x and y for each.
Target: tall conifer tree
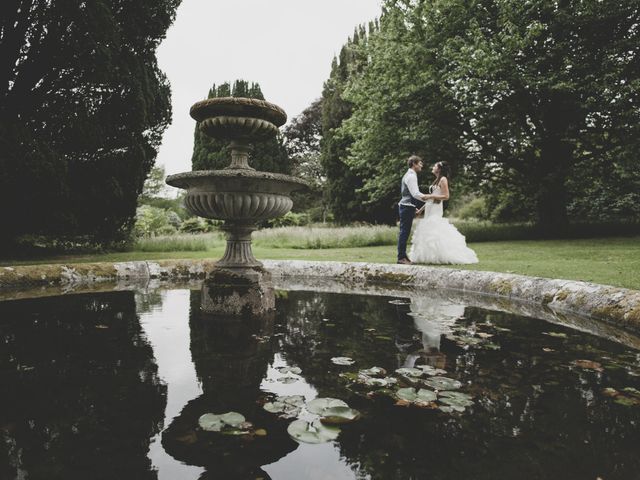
(212, 154)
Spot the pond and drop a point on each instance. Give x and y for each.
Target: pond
(114, 385)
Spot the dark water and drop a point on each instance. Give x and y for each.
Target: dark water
(111, 385)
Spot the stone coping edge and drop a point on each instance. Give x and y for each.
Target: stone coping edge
(618, 306)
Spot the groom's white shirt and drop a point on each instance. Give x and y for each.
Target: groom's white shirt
(410, 179)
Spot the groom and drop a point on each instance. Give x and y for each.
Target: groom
(411, 198)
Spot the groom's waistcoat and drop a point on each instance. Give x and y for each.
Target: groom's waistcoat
(406, 198)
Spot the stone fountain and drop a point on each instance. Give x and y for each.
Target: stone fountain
(241, 196)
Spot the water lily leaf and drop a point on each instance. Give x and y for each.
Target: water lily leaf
(287, 380)
(408, 394)
(447, 409)
(261, 432)
(556, 334)
(490, 346)
(376, 382)
(343, 361)
(627, 401)
(588, 364)
(314, 432)
(410, 372)
(484, 335)
(547, 349)
(214, 423)
(294, 370)
(431, 371)
(339, 415)
(373, 372)
(455, 399)
(632, 391)
(234, 431)
(443, 383)
(399, 302)
(610, 392)
(232, 419)
(319, 405)
(425, 396)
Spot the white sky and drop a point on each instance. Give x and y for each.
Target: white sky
(284, 45)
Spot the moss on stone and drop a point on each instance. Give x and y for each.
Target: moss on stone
(387, 277)
(503, 287)
(562, 295)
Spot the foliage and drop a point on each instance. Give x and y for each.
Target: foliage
(83, 107)
(343, 183)
(212, 154)
(185, 242)
(290, 219)
(302, 141)
(151, 221)
(400, 108)
(535, 98)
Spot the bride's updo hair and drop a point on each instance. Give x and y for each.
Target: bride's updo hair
(445, 170)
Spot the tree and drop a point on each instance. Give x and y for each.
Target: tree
(83, 107)
(302, 140)
(212, 154)
(544, 89)
(343, 183)
(399, 109)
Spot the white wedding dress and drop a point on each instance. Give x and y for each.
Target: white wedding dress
(435, 240)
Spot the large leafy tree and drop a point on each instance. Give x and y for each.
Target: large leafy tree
(212, 154)
(400, 108)
(536, 101)
(344, 183)
(302, 140)
(544, 87)
(82, 109)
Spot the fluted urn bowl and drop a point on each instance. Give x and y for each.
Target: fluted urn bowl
(238, 118)
(242, 196)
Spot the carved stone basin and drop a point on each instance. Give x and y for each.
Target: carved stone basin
(240, 195)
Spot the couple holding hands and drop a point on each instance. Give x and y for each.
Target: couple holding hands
(435, 240)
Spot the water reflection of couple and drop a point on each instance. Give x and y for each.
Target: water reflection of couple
(433, 316)
(435, 240)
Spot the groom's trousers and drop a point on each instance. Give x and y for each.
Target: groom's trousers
(407, 214)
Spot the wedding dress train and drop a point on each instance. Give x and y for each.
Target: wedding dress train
(435, 240)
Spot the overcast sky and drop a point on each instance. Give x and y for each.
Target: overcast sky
(284, 45)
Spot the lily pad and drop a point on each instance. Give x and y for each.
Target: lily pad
(410, 372)
(319, 405)
(215, 423)
(339, 415)
(399, 302)
(376, 382)
(443, 383)
(287, 380)
(431, 371)
(373, 372)
(314, 432)
(588, 365)
(287, 406)
(556, 334)
(294, 370)
(420, 396)
(455, 399)
(343, 361)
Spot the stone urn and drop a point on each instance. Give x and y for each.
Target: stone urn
(239, 195)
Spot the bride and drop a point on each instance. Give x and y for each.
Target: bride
(435, 240)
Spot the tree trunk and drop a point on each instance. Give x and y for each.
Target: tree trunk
(551, 206)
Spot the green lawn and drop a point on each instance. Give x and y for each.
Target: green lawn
(609, 261)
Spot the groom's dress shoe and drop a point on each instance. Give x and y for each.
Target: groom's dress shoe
(405, 261)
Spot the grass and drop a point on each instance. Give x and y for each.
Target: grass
(609, 261)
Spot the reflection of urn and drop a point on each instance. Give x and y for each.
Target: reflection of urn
(231, 359)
